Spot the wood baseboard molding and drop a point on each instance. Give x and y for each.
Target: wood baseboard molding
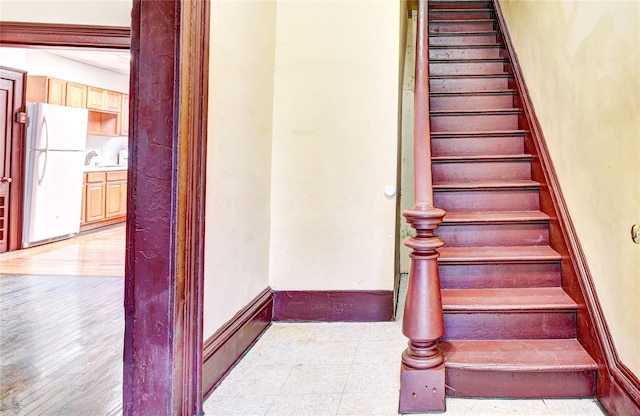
(618, 389)
(225, 347)
(333, 305)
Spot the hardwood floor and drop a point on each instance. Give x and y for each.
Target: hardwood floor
(62, 327)
(99, 253)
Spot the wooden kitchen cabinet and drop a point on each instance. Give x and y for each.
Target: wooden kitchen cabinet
(124, 115)
(116, 200)
(103, 100)
(94, 196)
(76, 95)
(42, 89)
(104, 199)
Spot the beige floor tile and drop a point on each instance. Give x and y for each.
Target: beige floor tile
(381, 331)
(316, 379)
(582, 407)
(305, 405)
(282, 332)
(274, 353)
(237, 405)
(259, 381)
(371, 378)
(369, 404)
(386, 351)
(328, 353)
(335, 332)
(495, 407)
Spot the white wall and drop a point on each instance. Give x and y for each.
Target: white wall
(238, 157)
(581, 62)
(83, 12)
(335, 139)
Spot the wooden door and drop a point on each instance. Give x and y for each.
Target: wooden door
(94, 98)
(6, 110)
(12, 96)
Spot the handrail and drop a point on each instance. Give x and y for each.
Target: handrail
(422, 372)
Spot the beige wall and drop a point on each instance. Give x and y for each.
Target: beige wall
(83, 12)
(335, 139)
(238, 157)
(581, 64)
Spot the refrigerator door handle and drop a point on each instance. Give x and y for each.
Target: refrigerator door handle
(46, 149)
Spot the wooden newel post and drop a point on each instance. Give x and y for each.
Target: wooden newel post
(422, 373)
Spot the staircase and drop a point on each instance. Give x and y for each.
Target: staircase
(510, 328)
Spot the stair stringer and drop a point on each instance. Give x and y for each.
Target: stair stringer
(618, 389)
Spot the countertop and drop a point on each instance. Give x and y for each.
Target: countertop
(103, 168)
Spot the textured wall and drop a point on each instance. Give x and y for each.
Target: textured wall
(238, 156)
(581, 64)
(335, 141)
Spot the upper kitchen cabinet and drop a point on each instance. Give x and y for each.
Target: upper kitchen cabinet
(76, 95)
(42, 89)
(124, 115)
(103, 100)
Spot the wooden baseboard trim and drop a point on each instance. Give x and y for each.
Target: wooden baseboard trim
(618, 389)
(226, 346)
(333, 305)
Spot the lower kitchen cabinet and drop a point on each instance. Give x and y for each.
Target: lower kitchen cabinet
(105, 198)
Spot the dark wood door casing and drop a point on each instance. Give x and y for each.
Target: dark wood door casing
(165, 195)
(13, 164)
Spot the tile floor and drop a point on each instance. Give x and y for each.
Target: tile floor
(324, 369)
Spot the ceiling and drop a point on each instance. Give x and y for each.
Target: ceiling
(116, 61)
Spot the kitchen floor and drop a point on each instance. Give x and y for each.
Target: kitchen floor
(62, 324)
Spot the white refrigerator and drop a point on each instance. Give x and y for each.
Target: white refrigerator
(55, 150)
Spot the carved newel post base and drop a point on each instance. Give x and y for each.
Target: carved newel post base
(422, 372)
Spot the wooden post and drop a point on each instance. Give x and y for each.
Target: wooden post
(422, 373)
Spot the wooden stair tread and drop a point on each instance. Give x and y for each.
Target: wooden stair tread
(486, 185)
(480, 158)
(469, 33)
(506, 300)
(472, 93)
(551, 355)
(475, 112)
(494, 133)
(494, 254)
(461, 21)
(465, 60)
(472, 46)
(494, 217)
(452, 76)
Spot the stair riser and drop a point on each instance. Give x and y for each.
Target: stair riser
(469, 14)
(494, 235)
(466, 53)
(442, 27)
(487, 200)
(518, 384)
(473, 122)
(477, 146)
(466, 68)
(449, 5)
(486, 276)
(468, 84)
(471, 102)
(463, 40)
(481, 171)
(515, 325)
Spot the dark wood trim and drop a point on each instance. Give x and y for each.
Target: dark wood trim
(63, 35)
(333, 305)
(17, 157)
(165, 222)
(227, 345)
(618, 388)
